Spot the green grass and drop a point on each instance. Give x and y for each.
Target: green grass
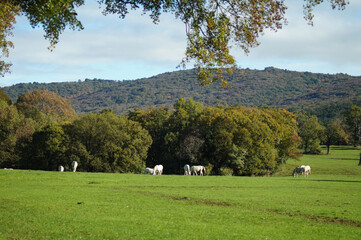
(54, 205)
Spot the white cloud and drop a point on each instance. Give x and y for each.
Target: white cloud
(330, 46)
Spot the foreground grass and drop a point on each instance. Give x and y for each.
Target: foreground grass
(53, 205)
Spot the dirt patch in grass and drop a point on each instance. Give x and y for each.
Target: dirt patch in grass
(334, 220)
(330, 220)
(198, 201)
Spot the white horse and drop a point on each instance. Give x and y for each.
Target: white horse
(187, 170)
(149, 170)
(61, 168)
(307, 169)
(198, 169)
(74, 165)
(158, 170)
(298, 170)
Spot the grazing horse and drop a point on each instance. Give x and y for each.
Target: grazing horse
(298, 170)
(307, 169)
(158, 170)
(198, 169)
(187, 170)
(61, 168)
(74, 165)
(149, 170)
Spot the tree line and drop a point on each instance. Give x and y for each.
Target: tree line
(41, 131)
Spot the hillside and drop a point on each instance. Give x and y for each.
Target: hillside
(322, 94)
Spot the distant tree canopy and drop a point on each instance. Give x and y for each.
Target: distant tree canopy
(212, 26)
(44, 106)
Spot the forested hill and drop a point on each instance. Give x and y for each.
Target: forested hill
(322, 94)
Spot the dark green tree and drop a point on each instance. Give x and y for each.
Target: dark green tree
(155, 121)
(183, 140)
(107, 143)
(334, 135)
(352, 121)
(14, 131)
(311, 133)
(47, 149)
(10, 121)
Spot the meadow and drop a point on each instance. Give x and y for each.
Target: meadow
(67, 205)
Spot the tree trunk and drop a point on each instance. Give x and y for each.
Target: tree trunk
(359, 163)
(328, 149)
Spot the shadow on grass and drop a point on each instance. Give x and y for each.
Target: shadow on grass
(344, 159)
(342, 148)
(349, 181)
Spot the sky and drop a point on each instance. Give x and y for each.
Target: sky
(132, 48)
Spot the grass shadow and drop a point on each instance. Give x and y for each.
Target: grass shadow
(348, 181)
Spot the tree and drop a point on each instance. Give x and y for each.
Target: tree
(5, 97)
(183, 139)
(8, 12)
(334, 134)
(44, 107)
(107, 143)
(14, 129)
(311, 132)
(47, 148)
(352, 120)
(249, 141)
(155, 121)
(212, 26)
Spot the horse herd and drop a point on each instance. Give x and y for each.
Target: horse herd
(74, 165)
(304, 170)
(157, 170)
(194, 170)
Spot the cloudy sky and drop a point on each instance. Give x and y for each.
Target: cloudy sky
(132, 48)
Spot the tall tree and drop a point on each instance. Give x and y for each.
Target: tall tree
(14, 129)
(353, 122)
(334, 134)
(311, 132)
(155, 121)
(212, 26)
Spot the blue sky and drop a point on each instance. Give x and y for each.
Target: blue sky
(134, 47)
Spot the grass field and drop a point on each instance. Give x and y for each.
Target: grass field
(54, 205)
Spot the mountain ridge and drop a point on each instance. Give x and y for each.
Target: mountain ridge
(274, 87)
